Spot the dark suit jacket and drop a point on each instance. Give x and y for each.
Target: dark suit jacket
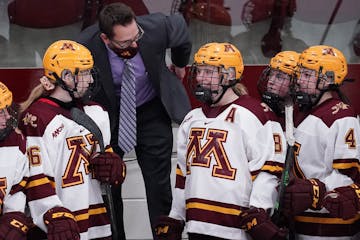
(160, 32)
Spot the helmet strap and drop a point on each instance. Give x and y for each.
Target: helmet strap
(225, 88)
(62, 84)
(319, 97)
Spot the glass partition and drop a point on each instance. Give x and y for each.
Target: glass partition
(258, 28)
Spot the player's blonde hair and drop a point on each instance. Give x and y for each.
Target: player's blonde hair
(240, 89)
(35, 93)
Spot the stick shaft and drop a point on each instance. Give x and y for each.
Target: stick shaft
(85, 120)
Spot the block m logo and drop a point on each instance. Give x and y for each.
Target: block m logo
(198, 155)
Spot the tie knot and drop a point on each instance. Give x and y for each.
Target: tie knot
(127, 62)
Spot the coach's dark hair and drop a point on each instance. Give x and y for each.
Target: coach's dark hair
(114, 14)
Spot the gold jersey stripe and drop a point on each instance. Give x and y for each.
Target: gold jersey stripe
(213, 208)
(38, 182)
(95, 211)
(272, 168)
(324, 220)
(346, 165)
(179, 172)
(23, 183)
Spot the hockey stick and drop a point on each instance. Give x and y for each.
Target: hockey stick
(331, 20)
(289, 162)
(83, 119)
(175, 6)
(271, 41)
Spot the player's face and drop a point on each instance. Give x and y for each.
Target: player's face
(278, 82)
(4, 117)
(307, 81)
(83, 79)
(207, 76)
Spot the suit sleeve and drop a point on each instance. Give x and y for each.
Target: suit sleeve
(178, 40)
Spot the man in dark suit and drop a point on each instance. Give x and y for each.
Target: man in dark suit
(161, 98)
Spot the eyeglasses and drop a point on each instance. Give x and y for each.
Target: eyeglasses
(127, 43)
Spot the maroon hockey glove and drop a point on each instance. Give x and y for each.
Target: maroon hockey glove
(303, 194)
(167, 228)
(256, 222)
(14, 226)
(108, 167)
(343, 202)
(61, 224)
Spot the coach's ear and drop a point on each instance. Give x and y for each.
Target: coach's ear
(105, 38)
(46, 83)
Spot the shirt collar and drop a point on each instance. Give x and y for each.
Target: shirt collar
(111, 53)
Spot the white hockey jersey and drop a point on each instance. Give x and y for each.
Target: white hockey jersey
(59, 150)
(327, 148)
(229, 158)
(14, 172)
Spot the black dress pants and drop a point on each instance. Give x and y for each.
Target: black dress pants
(153, 151)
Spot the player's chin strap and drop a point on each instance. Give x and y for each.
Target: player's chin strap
(61, 83)
(205, 94)
(225, 88)
(335, 88)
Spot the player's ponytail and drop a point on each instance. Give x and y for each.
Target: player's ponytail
(240, 89)
(37, 92)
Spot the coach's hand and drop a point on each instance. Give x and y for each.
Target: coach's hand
(14, 226)
(167, 228)
(108, 167)
(61, 224)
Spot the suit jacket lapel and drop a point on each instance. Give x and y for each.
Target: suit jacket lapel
(105, 71)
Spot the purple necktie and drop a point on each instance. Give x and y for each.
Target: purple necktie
(127, 118)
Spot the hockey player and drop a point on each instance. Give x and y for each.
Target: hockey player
(226, 157)
(274, 83)
(324, 197)
(65, 164)
(14, 172)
